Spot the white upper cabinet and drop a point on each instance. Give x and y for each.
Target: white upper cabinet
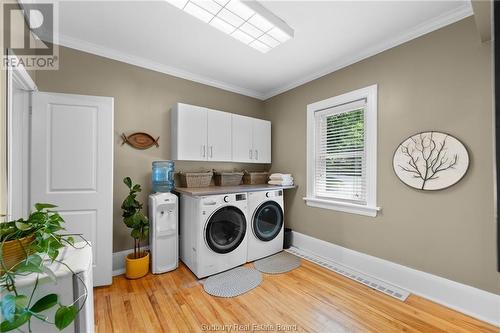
(201, 134)
(242, 139)
(251, 140)
(219, 136)
(261, 138)
(189, 132)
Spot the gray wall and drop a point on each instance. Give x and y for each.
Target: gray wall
(143, 99)
(441, 81)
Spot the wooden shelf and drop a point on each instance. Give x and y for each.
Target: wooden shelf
(211, 190)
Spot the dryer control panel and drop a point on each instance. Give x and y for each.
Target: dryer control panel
(274, 194)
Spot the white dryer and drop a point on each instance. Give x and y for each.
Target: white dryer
(266, 225)
(213, 232)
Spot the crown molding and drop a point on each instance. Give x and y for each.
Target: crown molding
(426, 27)
(420, 30)
(111, 53)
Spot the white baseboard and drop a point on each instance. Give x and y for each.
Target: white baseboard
(119, 260)
(474, 302)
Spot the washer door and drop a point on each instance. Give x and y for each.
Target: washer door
(225, 229)
(267, 221)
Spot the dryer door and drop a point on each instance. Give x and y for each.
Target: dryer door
(225, 229)
(267, 221)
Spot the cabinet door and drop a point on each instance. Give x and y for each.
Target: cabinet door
(242, 138)
(219, 136)
(261, 135)
(189, 130)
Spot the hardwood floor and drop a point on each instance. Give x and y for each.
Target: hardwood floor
(308, 299)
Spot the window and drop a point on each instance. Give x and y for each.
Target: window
(341, 152)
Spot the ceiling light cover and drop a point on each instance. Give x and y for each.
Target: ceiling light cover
(247, 21)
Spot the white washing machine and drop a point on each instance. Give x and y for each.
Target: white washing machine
(265, 235)
(213, 232)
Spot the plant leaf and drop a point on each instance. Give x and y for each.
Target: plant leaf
(65, 316)
(23, 226)
(136, 233)
(18, 321)
(8, 307)
(53, 253)
(45, 303)
(21, 301)
(127, 182)
(32, 264)
(70, 240)
(41, 206)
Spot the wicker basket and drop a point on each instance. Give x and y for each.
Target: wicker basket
(195, 179)
(14, 251)
(252, 178)
(228, 178)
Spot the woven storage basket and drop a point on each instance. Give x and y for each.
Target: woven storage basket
(195, 179)
(252, 178)
(13, 251)
(228, 178)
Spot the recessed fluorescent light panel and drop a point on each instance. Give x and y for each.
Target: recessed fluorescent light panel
(247, 21)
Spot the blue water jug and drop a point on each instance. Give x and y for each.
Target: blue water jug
(162, 176)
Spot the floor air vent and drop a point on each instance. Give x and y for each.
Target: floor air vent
(368, 281)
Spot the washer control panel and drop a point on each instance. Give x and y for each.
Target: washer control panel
(221, 199)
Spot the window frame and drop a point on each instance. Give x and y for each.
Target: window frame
(370, 119)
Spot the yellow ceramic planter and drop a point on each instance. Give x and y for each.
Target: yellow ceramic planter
(136, 268)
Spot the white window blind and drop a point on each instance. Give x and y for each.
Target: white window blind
(340, 154)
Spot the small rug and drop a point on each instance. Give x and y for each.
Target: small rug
(232, 283)
(278, 263)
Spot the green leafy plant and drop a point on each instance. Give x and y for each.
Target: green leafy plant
(45, 226)
(134, 218)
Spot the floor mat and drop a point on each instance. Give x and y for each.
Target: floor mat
(278, 263)
(232, 283)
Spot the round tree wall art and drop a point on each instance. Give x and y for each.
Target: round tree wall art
(431, 161)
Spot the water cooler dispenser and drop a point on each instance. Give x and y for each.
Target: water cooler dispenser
(163, 232)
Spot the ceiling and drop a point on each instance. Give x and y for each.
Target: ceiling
(328, 35)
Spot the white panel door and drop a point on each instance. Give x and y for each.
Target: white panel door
(219, 136)
(261, 134)
(242, 139)
(191, 133)
(72, 167)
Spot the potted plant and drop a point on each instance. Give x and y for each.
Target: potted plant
(30, 247)
(136, 263)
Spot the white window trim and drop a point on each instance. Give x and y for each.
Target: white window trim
(371, 208)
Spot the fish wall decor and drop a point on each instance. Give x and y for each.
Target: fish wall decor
(140, 140)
